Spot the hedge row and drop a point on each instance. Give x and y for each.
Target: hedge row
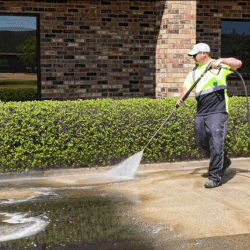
(104, 132)
(17, 95)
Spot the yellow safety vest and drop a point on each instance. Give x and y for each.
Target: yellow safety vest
(212, 81)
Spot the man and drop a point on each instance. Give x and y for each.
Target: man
(212, 108)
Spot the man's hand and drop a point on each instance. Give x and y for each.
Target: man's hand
(233, 63)
(179, 102)
(216, 63)
(183, 91)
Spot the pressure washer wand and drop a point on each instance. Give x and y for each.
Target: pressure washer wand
(183, 99)
(160, 127)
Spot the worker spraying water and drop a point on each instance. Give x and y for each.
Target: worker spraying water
(212, 108)
(209, 79)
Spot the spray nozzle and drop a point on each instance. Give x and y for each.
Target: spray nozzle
(222, 67)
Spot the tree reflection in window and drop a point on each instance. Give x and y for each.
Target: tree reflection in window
(235, 42)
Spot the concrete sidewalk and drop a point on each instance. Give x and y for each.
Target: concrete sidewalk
(171, 195)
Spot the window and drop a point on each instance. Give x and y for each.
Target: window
(19, 52)
(235, 42)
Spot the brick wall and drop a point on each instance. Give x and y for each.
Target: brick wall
(176, 37)
(94, 49)
(209, 15)
(121, 49)
(109, 48)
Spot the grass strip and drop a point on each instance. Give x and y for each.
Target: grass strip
(18, 82)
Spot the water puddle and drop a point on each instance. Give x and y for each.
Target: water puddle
(72, 213)
(26, 227)
(73, 218)
(13, 201)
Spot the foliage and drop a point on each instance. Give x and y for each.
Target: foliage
(20, 94)
(238, 136)
(10, 40)
(104, 132)
(29, 51)
(18, 82)
(238, 46)
(3, 62)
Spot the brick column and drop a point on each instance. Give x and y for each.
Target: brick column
(177, 36)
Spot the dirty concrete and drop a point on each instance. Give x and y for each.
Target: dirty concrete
(170, 200)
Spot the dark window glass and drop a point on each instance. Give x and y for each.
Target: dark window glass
(235, 42)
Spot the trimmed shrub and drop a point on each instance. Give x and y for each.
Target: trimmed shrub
(238, 138)
(104, 132)
(16, 95)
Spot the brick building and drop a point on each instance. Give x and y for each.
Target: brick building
(120, 49)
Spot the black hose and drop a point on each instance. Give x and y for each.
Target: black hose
(245, 88)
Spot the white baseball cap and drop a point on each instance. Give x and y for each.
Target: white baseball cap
(199, 47)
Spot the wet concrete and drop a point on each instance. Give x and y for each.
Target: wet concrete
(168, 201)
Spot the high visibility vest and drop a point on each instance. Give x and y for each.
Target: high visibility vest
(214, 80)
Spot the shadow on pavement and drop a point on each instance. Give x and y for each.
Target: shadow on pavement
(229, 174)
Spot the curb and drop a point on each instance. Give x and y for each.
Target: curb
(142, 167)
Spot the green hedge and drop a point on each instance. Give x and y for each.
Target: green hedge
(16, 95)
(103, 132)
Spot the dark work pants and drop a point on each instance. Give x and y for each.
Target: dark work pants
(210, 135)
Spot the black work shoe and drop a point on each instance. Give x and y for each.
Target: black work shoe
(227, 163)
(211, 184)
